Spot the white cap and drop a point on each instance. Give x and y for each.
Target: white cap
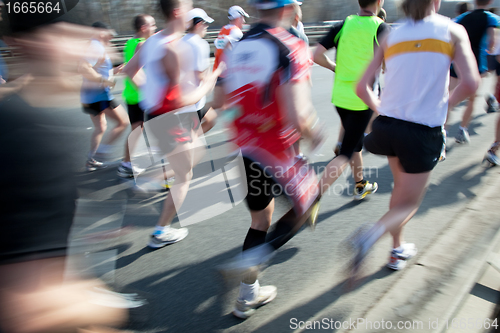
(235, 12)
(198, 12)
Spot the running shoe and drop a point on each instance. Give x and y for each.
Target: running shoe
(363, 189)
(244, 308)
(401, 255)
(492, 158)
(336, 149)
(169, 237)
(125, 172)
(462, 136)
(93, 165)
(491, 104)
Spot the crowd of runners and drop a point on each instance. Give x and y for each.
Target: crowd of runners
(393, 90)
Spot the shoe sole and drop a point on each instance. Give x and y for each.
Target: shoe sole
(244, 315)
(125, 175)
(313, 218)
(157, 246)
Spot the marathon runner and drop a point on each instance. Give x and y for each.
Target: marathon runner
(268, 82)
(170, 113)
(355, 38)
(408, 129)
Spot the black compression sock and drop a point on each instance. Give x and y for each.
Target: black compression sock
(254, 238)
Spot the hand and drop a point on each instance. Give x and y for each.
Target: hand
(108, 84)
(221, 68)
(118, 69)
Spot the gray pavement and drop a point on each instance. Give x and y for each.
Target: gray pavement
(185, 292)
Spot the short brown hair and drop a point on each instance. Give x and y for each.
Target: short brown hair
(483, 2)
(463, 7)
(167, 7)
(415, 9)
(366, 3)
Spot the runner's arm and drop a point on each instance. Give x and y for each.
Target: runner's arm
(321, 59)
(465, 64)
(88, 72)
(172, 68)
(296, 98)
(364, 88)
(133, 69)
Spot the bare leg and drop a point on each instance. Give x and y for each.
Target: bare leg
(409, 190)
(100, 126)
(357, 166)
(332, 172)
(119, 115)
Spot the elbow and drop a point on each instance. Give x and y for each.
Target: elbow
(360, 90)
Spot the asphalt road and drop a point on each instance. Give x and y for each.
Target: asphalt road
(185, 293)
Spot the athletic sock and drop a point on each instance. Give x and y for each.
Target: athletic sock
(372, 236)
(127, 164)
(160, 230)
(463, 128)
(254, 238)
(249, 291)
(282, 233)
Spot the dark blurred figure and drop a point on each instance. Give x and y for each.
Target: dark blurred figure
(382, 14)
(463, 7)
(38, 190)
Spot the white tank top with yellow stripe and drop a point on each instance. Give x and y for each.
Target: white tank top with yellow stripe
(418, 58)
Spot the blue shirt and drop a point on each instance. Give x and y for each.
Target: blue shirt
(477, 23)
(97, 57)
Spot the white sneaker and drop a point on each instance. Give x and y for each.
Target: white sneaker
(401, 255)
(170, 237)
(244, 308)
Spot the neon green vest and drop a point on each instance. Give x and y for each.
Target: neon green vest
(130, 93)
(354, 54)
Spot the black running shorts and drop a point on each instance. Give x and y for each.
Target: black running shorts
(354, 123)
(96, 108)
(261, 186)
(417, 146)
(135, 113)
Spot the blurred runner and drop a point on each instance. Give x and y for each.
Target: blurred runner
(480, 25)
(145, 27)
(170, 113)
(97, 101)
(355, 39)
(38, 187)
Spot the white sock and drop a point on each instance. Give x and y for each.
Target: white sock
(463, 128)
(249, 291)
(127, 164)
(160, 230)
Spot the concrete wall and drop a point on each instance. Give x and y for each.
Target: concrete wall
(119, 13)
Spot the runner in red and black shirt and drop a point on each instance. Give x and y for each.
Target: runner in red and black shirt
(268, 84)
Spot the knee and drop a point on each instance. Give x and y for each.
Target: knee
(101, 127)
